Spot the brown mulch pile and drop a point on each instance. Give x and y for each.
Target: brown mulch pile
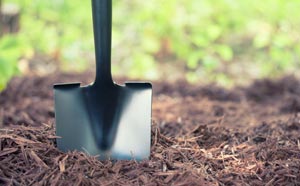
(201, 135)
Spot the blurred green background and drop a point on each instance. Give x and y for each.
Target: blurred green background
(225, 41)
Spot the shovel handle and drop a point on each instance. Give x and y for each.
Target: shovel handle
(102, 18)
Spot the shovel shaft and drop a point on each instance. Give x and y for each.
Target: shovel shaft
(102, 16)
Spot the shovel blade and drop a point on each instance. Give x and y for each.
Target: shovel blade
(132, 139)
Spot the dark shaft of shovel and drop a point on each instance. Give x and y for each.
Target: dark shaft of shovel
(102, 16)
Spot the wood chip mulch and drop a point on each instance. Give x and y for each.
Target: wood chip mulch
(201, 135)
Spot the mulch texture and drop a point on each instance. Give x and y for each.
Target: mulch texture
(201, 135)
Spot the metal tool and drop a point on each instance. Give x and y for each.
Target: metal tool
(105, 119)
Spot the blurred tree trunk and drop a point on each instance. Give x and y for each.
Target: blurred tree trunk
(0, 17)
(9, 18)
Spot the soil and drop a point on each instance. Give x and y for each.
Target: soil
(201, 135)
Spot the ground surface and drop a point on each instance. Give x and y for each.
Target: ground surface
(200, 135)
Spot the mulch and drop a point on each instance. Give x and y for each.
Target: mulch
(201, 135)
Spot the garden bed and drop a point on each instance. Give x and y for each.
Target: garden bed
(200, 135)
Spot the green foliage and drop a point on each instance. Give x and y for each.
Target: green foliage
(214, 39)
(211, 39)
(11, 48)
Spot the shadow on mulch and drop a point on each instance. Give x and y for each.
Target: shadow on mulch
(201, 135)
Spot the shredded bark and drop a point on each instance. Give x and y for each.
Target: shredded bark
(201, 135)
